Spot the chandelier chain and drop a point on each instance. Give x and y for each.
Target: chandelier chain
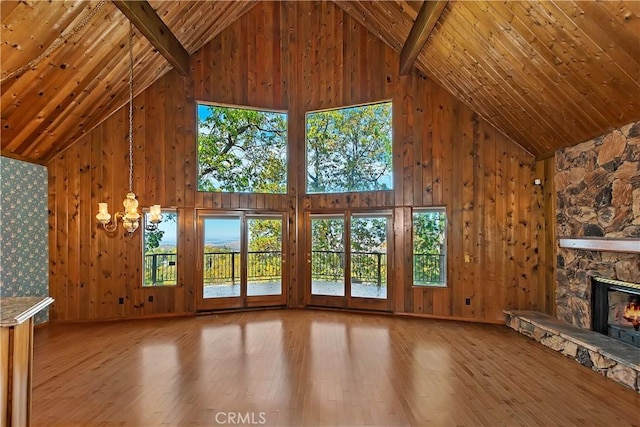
(130, 107)
(55, 45)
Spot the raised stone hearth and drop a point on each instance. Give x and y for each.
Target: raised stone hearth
(607, 356)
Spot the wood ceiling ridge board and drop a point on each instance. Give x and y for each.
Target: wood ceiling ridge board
(592, 49)
(145, 19)
(28, 48)
(556, 39)
(606, 40)
(49, 78)
(510, 98)
(617, 22)
(420, 31)
(546, 69)
(547, 88)
(567, 77)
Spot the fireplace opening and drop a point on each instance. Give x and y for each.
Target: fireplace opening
(615, 307)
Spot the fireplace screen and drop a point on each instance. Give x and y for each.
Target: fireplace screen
(616, 309)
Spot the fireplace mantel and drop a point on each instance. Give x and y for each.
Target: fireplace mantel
(601, 244)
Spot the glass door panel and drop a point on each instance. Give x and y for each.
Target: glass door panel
(221, 263)
(327, 256)
(368, 236)
(264, 256)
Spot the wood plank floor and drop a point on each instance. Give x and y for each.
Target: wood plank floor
(313, 368)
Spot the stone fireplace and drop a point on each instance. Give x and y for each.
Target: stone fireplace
(598, 197)
(598, 258)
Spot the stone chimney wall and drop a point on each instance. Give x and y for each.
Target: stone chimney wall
(598, 195)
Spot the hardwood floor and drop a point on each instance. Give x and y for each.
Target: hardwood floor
(297, 367)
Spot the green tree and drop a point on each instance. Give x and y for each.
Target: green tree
(241, 150)
(349, 149)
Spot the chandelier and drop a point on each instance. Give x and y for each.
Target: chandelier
(129, 216)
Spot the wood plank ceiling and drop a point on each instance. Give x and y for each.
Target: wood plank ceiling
(548, 74)
(86, 80)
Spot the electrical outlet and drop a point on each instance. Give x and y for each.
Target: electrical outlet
(120, 300)
(467, 258)
(150, 298)
(467, 301)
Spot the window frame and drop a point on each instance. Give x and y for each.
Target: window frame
(250, 108)
(306, 150)
(442, 210)
(163, 211)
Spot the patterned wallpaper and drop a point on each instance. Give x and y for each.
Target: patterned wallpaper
(24, 230)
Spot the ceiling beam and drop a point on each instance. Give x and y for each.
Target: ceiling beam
(422, 27)
(147, 21)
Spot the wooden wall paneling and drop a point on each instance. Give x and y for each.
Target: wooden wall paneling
(501, 251)
(174, 90)
(550, 235)
(53, 200)
(159, 125)
(61, 250)
(181, 144)
(136, 304)
(511, 282)
(94, 250)
(106, 244)
(544, 217)
(479, 247)
(84, 213)
(406, 267)
(468, 206)
(490, 225)
(527, 286)
(189, 162)
(398, 260)
(418, 142)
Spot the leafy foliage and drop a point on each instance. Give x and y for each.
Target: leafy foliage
(429, 228)
(349, 149)
(241, 150)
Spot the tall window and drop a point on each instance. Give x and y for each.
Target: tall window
(241, 150)
(161, 251)
(349, 149)
(429, 247)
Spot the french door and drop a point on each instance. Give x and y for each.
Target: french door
(241, 260)
(347, 260)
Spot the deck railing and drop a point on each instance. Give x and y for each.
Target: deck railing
(224, 267)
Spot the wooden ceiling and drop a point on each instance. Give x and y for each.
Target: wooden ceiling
(548, 74)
